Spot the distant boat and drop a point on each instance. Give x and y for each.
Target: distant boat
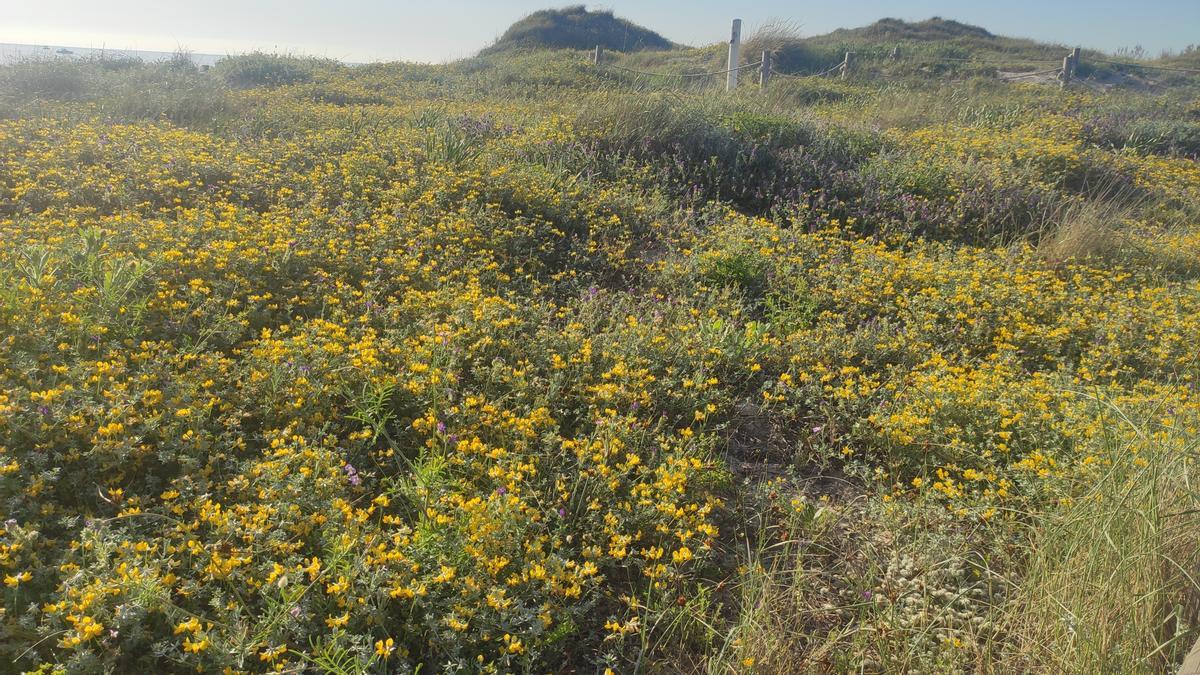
(45, 47)
(64, 50)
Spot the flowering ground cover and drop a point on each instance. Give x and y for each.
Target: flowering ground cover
(508, 366)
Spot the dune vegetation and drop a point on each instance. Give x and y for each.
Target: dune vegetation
(518, 364)
(575, 27)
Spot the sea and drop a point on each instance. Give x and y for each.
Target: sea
(10, 53)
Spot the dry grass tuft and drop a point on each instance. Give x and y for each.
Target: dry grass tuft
(1095, 226)
(1086, 229)
(774, 35)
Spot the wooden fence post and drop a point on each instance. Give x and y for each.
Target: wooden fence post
(735, 44)
(1074, 61)
(764, 70)
(1066, 71)
(847, 64)
(597, 54)
(896, 53)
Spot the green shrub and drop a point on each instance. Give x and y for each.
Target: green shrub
(268, 70)
(44, 79)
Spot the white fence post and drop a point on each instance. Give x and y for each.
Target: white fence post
(735, 44)
(764, 70)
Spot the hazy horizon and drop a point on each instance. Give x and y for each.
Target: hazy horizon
(375, 30)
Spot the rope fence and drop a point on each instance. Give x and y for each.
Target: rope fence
(799, 76)
(985, 62)
(823, 73)
(1147, 66)
(1064, 73)
(681, 75)
(1018, 76)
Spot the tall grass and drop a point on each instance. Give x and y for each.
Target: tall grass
(270, 70)
(1111, 581)
(1088, 228)
(772, 630)
(1106, 581)
(46, 79)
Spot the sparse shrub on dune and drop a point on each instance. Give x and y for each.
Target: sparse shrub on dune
(268, 70)
(575, 27)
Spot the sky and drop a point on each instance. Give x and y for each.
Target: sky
(444, 30)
